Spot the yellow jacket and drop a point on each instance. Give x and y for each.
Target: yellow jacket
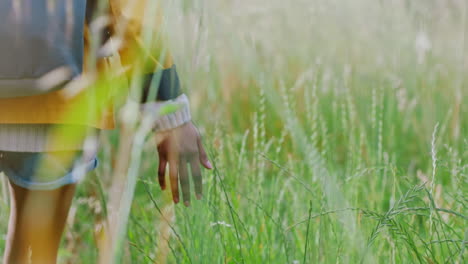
(92, 106)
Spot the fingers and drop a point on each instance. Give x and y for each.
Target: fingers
(197, 178)
(178, 151)
(202, 154)
(184, 181)
(173, 173)
(162, 172)
(162, 152)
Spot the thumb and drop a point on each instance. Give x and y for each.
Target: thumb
(202, 154)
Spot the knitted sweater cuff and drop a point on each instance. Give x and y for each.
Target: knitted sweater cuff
(171, 120)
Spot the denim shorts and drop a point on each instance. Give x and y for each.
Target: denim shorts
(45, 170)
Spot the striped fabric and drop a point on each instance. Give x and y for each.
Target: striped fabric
(33, 137)
(30, 138)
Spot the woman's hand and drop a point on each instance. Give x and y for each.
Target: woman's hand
(182, 149)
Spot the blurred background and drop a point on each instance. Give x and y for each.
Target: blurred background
(338, 129)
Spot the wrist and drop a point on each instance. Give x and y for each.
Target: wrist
(168, 121)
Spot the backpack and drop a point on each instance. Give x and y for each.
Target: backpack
(41, 45)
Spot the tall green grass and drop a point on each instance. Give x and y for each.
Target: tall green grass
(338, 131)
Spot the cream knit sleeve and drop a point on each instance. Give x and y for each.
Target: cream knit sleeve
(170, 120)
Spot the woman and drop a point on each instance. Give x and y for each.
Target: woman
(43, 122)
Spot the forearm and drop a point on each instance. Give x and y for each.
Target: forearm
(150, 60)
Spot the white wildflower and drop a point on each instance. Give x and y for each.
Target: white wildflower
(222, 223)
(422, 45)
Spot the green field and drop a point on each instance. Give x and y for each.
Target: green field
(338, 131)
